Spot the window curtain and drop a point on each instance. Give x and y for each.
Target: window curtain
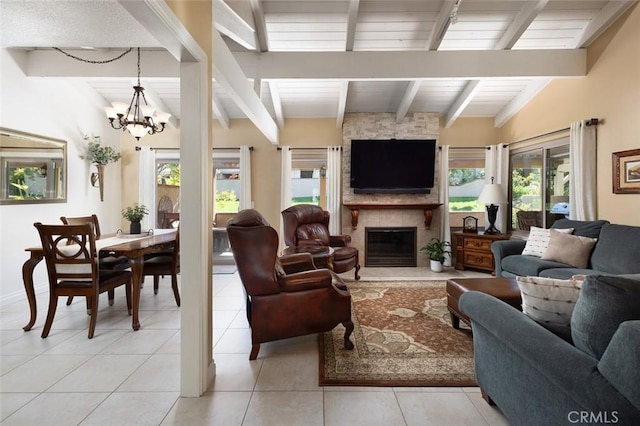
(147, 186)
(334, 167)
(285, 185)
(582, 181)
(443, 198)
(245, 178)
(497, 166)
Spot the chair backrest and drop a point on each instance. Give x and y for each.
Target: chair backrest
(221, 220)
(254, 244)
(81, 220)
(305, 222)
(70, 252)
(169, 219)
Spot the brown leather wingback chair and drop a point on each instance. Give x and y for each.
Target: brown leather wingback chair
(309, 224)
(281, 305)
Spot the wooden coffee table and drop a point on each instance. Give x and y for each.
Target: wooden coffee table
(505, 289)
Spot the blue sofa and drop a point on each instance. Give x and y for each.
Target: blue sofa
(538, 378)
(616, 252)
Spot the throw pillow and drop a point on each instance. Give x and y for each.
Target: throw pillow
(538, 240)
(570, 249)
(605, 302)
(550, 301)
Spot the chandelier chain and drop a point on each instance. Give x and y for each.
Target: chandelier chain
(106, 61)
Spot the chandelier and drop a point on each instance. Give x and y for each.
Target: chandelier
(137, 117)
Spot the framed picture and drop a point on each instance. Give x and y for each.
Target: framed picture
(626, 172)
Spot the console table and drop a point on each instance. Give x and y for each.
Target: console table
(473, 250)
(428, 210)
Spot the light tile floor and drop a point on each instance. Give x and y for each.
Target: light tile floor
(122, 377)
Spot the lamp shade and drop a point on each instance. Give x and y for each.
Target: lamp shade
(492, 193)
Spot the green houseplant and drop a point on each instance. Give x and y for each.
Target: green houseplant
(135, 214)
(99, 155)
(437, 251)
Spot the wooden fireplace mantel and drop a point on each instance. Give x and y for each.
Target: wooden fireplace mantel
(428, 210)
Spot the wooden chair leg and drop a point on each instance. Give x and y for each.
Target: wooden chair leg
(94, 314)
(53, 305)
(112, 296)
(69, 300)
(255, 348)
(174, 285)
(156, 283)
(128, 295)
(348, 325)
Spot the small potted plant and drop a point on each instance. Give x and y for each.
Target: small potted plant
(437, 251)
(99, 155)
(135, 214)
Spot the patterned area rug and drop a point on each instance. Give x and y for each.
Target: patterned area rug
(403, 337)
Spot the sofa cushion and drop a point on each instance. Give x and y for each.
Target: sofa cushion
(550, 301)
(529, 265)
(566, 273)
(570, 249)
(623, 351)
(583, 228)
(618, 250)
(538, 240)
(605, 302)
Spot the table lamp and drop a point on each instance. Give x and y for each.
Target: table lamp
(492, 195)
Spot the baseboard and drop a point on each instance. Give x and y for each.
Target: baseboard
(18, 295)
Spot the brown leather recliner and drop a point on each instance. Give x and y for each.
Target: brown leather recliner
(309, 224)
(282, 305)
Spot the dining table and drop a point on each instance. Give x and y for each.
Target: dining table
(134, 246)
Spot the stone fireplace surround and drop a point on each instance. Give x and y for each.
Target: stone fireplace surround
(384, 126)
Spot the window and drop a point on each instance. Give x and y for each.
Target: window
(466, 179)
(539, 184)
(307, 184)
(226, 183)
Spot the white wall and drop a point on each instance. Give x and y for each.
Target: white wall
(51, 107)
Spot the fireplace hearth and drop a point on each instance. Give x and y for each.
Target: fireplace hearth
(390, 246)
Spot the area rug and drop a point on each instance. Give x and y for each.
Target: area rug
(403, 337)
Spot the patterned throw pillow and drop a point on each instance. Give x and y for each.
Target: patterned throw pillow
(538, 240)
(550, 301)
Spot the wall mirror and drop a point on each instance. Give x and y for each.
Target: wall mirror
(33, 168)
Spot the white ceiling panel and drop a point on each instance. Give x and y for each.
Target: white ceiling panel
(325, 26)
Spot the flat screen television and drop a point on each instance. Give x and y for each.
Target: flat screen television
(392, 166)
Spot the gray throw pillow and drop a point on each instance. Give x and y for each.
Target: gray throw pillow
(605, 302)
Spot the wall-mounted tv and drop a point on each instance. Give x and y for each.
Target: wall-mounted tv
(392, 166)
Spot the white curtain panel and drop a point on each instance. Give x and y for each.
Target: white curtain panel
(285, 186)
(245, 178)
(497, 166)
(334, 168)
(147, 186)
(582, 182)
(443, 198)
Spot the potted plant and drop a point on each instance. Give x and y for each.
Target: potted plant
(437, 251)
(99, 155)
(134, 214)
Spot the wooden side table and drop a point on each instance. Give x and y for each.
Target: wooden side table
(473, 250)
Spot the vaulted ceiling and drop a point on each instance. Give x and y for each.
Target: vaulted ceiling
(325, 58)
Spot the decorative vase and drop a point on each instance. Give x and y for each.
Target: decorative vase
(98, 178)
(135, 228)
(436, 266)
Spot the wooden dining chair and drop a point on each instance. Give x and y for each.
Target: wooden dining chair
(164, 263)
(74, 269)
(108, 262)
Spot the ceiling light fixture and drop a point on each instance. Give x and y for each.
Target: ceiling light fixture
(137, 118)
